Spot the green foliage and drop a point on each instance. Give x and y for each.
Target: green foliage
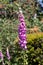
(35, 48)
(4, 1)
(34, 22)
(34, 53)
(7, 36)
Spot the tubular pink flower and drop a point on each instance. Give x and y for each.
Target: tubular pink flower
(8, 54)
(1, 56)
(22, 31)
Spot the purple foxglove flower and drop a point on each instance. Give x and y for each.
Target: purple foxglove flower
(21, 19)
(22, 37)
(22, 31)
(23, 42)
(8, 54)
(1, 56)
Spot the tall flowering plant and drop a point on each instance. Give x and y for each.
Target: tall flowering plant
(22, 30)
(8, 54)
(1, 56)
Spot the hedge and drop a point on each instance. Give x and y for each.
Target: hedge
(35, 49)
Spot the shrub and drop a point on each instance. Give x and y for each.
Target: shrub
(35, 49)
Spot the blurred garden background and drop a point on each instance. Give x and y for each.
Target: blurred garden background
(33, 13)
